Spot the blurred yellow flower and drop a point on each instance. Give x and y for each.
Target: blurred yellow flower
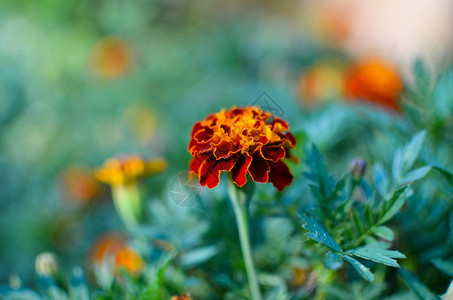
(127, 170)
(141, 122)
(111, 57)
(322, 82)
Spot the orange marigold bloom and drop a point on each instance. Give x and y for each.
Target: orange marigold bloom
(183, 297)
(375, 81)
(299, 276)
(111, 58)
(128, 170)
(112, 250)
(80, 183)
(130, 260)
(107, 246)
(241, 141)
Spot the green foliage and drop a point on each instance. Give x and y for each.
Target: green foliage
(357, 223)
(155, 287)
(419, 289)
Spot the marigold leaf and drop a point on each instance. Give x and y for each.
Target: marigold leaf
(198, 256)
(333, 261)
(358, 221)
(378, 255)
(419, 289)
(363, 271)
(319, 234)
(318, 173)
(393, 205)
(445, 266)
(423, 78)
(380, 179)
(383, 232)
(415, 174)
(442, 95)
(22, 293)
(78, 287)
(405, 157)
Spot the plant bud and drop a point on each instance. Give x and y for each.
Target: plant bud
(46, 264)
(357, 168)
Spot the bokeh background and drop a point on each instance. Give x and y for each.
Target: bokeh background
(81, 81)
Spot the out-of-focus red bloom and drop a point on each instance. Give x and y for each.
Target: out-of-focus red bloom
(241, 141)
(375, 81)
(111, 57)
(80, 183)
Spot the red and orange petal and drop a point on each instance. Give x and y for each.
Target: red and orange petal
(375, 81)
(241, 141)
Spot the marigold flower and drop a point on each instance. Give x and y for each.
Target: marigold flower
(322, 82)
(375, 81)
(107, 246)
(130, 260)
(46, 264)
(241, 141)
(80, 183)
(111, 57)
(112, 250)
(128, 170)
(299, 276)
(140, 121)
(183, 297)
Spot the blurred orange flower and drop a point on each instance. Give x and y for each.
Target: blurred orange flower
(375, 81)
(123, 171)
(320, 83)
(107, 246)
(241, 141)
(183, 297)
(129, 259)
(299, 276)
(111, 57)
(112, 249)
(80, 183)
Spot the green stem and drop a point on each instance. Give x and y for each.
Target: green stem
(128, 203)
(240, 199)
